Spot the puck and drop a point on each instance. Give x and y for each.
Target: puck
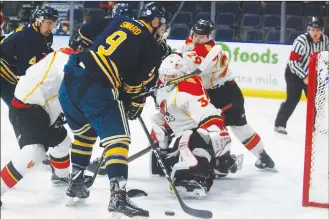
(169, 213)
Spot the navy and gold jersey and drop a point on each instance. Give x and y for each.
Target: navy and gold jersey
(89, 31)
(126, 55)
(20, 49)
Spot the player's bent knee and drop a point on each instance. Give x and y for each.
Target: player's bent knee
(54, 136)
(29, 156)
(62, 149)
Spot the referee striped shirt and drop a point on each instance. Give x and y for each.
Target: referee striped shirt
(302, 48)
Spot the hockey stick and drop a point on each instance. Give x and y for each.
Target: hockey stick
(146, 150)
(176, 13)
(205, 63)
(139, 154)
(89, 182)
(188, 210)
(167, 32)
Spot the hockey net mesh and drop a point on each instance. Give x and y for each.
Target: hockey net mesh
(317, 143)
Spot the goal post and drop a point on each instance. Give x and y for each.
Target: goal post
(316, 166)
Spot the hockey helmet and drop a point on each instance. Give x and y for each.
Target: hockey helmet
(122, 9)
(316, 22)
(153, 10)
(204, 27)
(76, 41)
(45, 12)
(171, 68)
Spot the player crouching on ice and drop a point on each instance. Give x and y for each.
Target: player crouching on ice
(200, 135)
(34, 113)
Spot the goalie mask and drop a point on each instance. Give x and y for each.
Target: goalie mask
(171, 68)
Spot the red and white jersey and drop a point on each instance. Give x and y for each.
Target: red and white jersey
(218, 71)
(186, 106)
(42, 81)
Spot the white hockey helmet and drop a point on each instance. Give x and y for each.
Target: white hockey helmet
(171, 68)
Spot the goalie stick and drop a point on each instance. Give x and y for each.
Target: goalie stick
(205, 63)
(188, 210)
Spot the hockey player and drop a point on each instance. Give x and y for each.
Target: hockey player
(88, 33)
(96, 99)
(85, 37)
(223, 90)
(200, 135)
(35, 109)
(24, 47)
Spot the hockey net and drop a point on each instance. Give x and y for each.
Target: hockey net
(316, 167)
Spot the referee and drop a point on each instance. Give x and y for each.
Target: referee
(296, 74)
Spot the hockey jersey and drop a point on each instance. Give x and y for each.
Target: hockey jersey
(186, 106)
(218, 71)
(126, 53)
(20, 49)
(41, 84)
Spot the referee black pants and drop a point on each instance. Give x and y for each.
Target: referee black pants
(295, 85)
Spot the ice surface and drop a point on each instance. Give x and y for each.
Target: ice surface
(249, 194)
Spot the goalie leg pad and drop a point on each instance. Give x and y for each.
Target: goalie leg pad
(194, 157)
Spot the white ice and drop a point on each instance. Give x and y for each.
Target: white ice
(249, 194)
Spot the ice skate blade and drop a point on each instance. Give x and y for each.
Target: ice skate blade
(115, 215)
(118, 215)
(59, 184)
(74, 201)
(267, 169)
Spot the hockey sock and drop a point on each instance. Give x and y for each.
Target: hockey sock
(249, 138)
(254, 144)
(26, 159)
(116, 158)
(60, 158)
(61, 165)
(82, 148)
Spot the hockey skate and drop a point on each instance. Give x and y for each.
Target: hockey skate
(190, 189)
(227, 164)
(280, 130)
(197, 187)
(120, 204)
(46, 162)
(58, 181)
(265, 161)
(77, 191)
(92, 167)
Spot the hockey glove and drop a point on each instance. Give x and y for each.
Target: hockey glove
(165, 50)
(134, 108)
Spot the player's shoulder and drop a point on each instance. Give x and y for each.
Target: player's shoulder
(302, 38)
(90, 30)
(188, 41)
(203, 49)
(136, 27)
(192, 86)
